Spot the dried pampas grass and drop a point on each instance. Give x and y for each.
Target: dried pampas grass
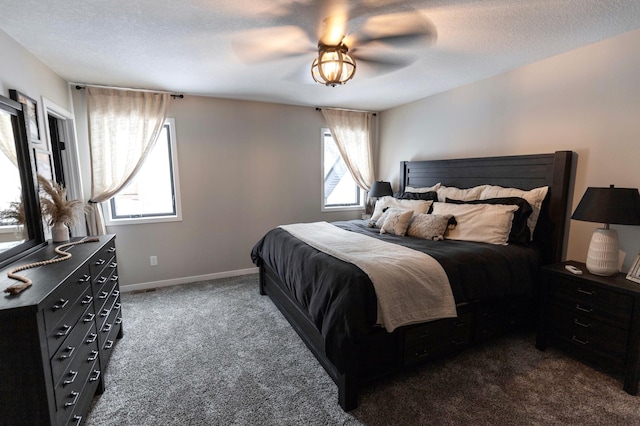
(55, 205)
(14, 212)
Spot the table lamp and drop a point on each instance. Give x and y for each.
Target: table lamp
(620, 206)
(378, 189)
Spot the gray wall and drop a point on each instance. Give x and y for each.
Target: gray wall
(245, 167)
(22, 71)
(586, 100)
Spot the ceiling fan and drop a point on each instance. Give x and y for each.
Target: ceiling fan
(341, 35)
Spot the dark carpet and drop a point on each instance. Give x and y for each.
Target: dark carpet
(218, 353)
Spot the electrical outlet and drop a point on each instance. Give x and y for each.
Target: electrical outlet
(153, 260)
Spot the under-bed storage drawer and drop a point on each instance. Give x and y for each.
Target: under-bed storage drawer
(433, 339)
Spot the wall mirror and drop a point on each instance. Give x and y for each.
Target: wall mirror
(21, 228)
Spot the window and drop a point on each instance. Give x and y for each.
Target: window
(339, 190)
(153, 195)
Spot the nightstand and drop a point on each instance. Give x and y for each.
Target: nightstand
(595, 319)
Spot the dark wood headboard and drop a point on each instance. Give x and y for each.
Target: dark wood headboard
(520, 171)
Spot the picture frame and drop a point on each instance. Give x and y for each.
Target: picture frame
(30, 110)
(44, 165)
(634, 272)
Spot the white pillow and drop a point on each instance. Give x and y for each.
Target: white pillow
(484, 223)
(419, 206)
(468, 194)
(423, 189)
(535, 197)
(397, 221)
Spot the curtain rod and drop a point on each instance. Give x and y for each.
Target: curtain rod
(80, 86)
(352, 110)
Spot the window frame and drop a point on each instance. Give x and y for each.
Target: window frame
(177, 217)
(324, 207)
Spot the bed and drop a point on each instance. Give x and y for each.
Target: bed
(332, 304)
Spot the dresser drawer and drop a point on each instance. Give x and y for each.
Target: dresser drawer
(596, 301)
(75, 310)
(72, 345)
(112, 329)
(437, 338)
(102, 258)
(71, 398)
(587, 332)
(78, 368)
(61, 300)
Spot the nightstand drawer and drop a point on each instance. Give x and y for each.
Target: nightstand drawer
(585, 331)
(593, 300)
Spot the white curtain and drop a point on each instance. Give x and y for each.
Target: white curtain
(7, 141)
(123, 128)
(351, 131)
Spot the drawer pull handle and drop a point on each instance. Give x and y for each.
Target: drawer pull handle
(73, 375)
(65, 330)
(87, 299)
(581, 324)
(102, 280)
(582, 342)
(114, 278)
(107, 328)
(423, 353)
(108, 344)
(85, 278)
(587, 292)
(100, 262)
(61, 304)
(96, 377)
(111, 249)
(92, 338)
(69, 350)
(90, 317)
(113, 265)
(115, 294)
(75, 396)
(104, 313)
(118, 321)
(117, 306)
(103, 295)
(77, 419)
(580, 308)
(93, 356)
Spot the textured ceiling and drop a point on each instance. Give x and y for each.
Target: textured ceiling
(200, 47)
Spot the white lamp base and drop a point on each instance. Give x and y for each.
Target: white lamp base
(602, 258)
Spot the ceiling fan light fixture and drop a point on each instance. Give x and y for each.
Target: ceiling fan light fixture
(333, 66)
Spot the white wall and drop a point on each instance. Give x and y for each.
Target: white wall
(245, 167)
(22, 71)
(586, 100)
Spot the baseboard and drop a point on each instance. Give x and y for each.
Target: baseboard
(186, 280)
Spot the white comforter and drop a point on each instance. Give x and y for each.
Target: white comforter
(411, 286)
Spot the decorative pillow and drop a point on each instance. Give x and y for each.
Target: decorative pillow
(419, 206)
(397, 222)
(423, 189)
(466, 194)
(429, 226)
(378, 223)
(520, 233)
(535, 197)
(485, 223)
(429, 195)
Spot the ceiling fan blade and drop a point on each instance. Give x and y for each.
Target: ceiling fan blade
(397, 29)
(270, 44)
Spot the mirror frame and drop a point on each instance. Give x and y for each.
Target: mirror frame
(28, 180)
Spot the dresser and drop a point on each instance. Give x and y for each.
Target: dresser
(595, 319)
(56, 336)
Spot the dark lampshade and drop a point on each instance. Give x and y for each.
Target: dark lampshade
(619, 206)
(380, 189)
